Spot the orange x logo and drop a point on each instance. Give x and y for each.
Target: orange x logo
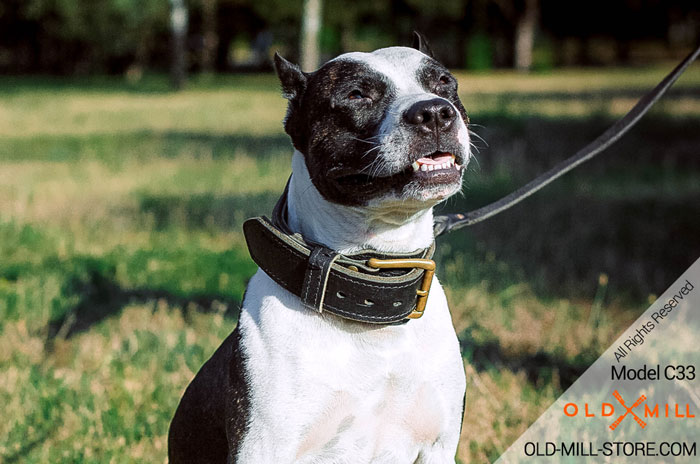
(639, 421)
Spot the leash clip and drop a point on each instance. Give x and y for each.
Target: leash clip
(428, 265)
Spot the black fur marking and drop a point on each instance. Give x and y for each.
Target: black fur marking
(420, 44)
(464, 409)
(291, 77)
(212, 417)
(337, 131)
(293, 82)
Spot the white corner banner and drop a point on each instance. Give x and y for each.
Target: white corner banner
(639, 402)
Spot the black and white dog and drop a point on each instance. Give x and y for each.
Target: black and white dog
(380, 138)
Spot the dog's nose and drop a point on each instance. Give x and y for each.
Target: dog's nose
(436, 114)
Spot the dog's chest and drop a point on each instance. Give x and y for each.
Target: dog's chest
(321, 388)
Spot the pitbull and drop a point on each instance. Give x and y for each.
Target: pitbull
(380, 138)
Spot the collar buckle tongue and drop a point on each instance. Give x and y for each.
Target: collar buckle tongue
(428, 265)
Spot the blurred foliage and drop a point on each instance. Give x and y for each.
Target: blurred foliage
(115, 36)
(96, 31)
(453, 9)
(117, 25)
(480, 53)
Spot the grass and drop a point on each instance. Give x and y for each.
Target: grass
(122, 263)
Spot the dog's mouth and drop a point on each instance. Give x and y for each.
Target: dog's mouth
(438, 161)
(439, 167)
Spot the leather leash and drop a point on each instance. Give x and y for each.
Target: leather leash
(451, 222)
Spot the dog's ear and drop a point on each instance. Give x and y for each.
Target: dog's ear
(420, 44)
(292, 78)
(294, 83)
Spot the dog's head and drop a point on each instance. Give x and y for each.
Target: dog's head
(386, 126)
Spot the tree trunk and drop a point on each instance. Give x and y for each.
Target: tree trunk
(310, 29)
(178, 29)
(210, 37)
(525, 35)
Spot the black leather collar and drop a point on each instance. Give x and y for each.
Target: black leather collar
(350, 286)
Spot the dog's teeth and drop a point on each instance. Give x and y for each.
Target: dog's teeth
(424, 167)
(458, 166)
(431, 167)
(445, 165)
(416, 166)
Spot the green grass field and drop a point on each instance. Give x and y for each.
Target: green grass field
(122, 263)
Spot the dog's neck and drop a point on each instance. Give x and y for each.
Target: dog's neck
(396, 227)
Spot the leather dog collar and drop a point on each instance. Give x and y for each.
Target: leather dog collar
(368, 286)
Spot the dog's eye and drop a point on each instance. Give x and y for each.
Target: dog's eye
(445, 83)
(355, 95)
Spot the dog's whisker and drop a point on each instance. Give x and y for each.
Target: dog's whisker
(472, 133)
(370, 166)
(376, 166)
(476, 160)
(367, 140)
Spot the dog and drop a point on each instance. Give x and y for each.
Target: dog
(379, 139)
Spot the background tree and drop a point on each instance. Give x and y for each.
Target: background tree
(210, 35)
(525, 29)
(310, 35)
(178, 27)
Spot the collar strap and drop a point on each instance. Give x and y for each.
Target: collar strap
(366, 286)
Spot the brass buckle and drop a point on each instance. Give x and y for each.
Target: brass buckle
(416, 263)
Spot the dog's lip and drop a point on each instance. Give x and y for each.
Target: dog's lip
(416, 168)
(436, 161)
(438, 157)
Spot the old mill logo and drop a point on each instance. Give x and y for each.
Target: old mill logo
(639, 401)
(675, 411)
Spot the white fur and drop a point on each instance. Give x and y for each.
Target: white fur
(386, 226)
(327, 390)
(398, 64)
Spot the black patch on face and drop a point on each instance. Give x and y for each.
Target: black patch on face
(335, 124)
(333, 118)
